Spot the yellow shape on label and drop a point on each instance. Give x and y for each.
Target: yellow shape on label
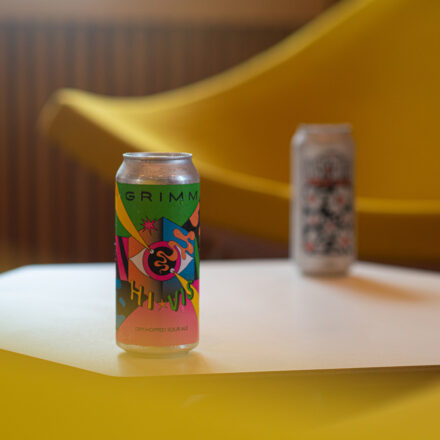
(190, 291)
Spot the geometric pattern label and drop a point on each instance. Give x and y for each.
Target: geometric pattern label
(157, 264)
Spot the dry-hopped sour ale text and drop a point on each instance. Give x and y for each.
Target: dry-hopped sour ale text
(323, 208)
(157, 202)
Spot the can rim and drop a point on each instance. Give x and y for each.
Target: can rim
(149, 156)
(328, 128)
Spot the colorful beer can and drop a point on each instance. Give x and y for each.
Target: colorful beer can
(157, 201)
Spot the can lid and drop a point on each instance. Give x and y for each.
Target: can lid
(144, 156)
(340, 128)
(322, 134)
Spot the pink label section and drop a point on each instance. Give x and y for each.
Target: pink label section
(122, 242)
(160, 327)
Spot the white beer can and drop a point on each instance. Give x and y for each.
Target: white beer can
(322, 211)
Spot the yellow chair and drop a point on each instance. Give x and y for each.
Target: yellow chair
(373, 63)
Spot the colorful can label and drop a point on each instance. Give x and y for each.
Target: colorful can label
(327, 205)
(157, 264)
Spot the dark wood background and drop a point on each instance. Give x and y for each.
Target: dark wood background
(131, 49)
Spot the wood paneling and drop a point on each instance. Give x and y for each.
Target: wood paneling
(51, 208)
(225, 12)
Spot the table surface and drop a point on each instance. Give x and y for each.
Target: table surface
(256, 316)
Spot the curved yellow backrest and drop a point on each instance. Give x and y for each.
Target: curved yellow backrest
(373, 63)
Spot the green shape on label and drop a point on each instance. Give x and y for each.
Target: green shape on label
(174, 202)
(174, 304)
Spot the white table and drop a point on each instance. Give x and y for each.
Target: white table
(256, 316)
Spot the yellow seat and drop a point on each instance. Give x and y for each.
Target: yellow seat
(373, 63)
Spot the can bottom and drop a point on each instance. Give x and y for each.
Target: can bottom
(324, 273)
(151, 351)
(324, 265)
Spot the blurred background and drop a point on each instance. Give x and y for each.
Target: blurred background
(119, 48)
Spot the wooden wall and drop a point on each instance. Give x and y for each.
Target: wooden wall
(46, 205)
